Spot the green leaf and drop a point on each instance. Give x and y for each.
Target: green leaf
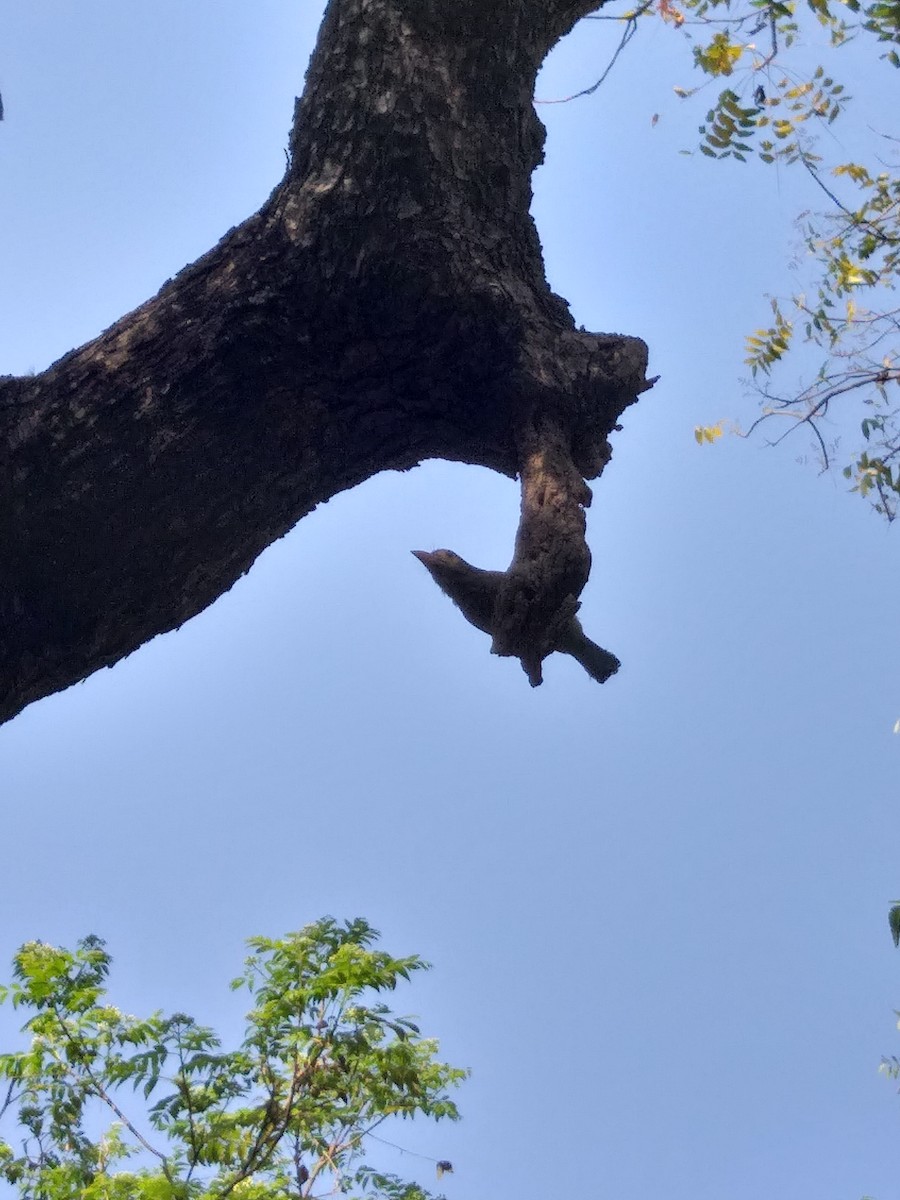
(894, 920)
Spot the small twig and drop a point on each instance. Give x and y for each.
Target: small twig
(402, 1149)
(820, 407)
(630, 30)
(9, 1097)
(852, 217)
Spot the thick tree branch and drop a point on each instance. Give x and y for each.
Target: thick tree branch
(388, 304)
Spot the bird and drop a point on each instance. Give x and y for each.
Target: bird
(474, 591)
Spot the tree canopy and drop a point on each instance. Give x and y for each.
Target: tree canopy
(291, 1111)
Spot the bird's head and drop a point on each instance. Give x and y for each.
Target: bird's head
(447, 560)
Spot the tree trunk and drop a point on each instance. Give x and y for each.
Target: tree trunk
(387, 304)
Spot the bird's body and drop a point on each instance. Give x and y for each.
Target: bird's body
(474, 591)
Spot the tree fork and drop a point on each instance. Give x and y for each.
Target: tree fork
(387, 304)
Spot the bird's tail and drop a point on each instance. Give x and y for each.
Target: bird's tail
(598, 663)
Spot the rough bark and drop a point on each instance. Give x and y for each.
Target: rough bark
(387, 304)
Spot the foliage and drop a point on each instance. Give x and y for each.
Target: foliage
(891, 1066)
(772, 109)
(708, 433)
(322, 1064)
(894, 921)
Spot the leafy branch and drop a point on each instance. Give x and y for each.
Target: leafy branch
(771, 110)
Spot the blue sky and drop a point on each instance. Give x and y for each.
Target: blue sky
(656, 909)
